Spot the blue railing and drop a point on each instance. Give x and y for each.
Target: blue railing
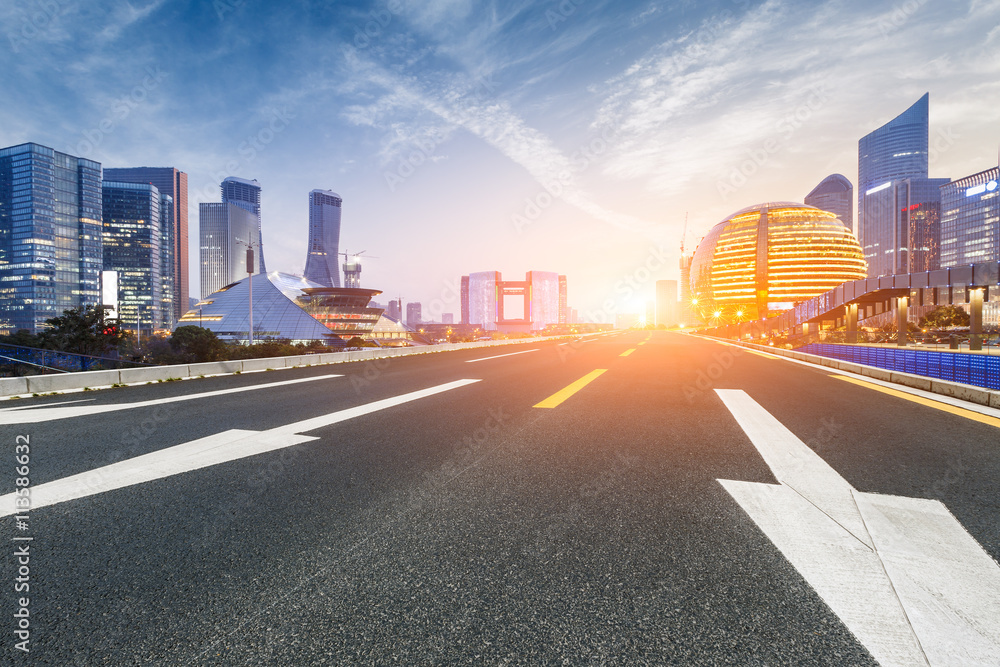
(979, 370)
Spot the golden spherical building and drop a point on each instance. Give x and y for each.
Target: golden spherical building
(766, 258)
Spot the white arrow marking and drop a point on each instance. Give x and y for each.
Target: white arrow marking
(30, 414)
(201, 453)
(902, 573)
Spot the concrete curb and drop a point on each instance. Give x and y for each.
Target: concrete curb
(963, 392)
(44, 384)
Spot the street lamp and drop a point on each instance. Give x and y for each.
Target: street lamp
(249, 263)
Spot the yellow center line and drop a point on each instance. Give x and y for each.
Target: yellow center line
(961, 412)
(642, 343)
(627, 352)
(561, 395)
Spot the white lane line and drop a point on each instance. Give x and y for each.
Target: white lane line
(509, 354)
(44, 413)
(201, 453)
(47, 405)
(924, 593)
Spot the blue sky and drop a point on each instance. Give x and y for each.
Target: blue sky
(465, 135)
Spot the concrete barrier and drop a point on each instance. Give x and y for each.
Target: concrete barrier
(40, 384)
(43, 384)
(152, 373)
(13, 386)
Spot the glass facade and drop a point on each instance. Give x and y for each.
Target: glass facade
(286, 306)
(322, 256)
(225, 230)
(898, 205)
(174, 184)
(543, 298)
(133, 245)
(246, 195)
(970, 219)
(50, 235)
(168, 269)
(483, 299)
(766, 258)
(836, 195)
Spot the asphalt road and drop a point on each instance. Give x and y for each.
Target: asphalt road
(465, 526)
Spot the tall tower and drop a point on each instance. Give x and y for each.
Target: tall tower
(899, 207)
(50, 235)
(322, 256)
(246, 195)
(174, 183)
(226, 230)
(836, 195)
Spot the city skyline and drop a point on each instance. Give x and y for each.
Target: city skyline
(648, 110)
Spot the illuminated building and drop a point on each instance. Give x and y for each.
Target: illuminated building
(836, 195)
(226, 231)
(137, 244)
(246, 194)
(898, 205)
(970, 219)
(287, 307)
(50, 235)
(173, 183)
(541, 293)
(322, 257)
(765, 258)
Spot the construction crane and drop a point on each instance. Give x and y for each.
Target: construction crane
(352, 267)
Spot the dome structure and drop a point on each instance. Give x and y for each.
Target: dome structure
(766, 258)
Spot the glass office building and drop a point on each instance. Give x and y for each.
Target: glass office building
(970, 219)
(246, 195)
(324, 240)
(133, 242)
(226, 230)
(836, 195)
(483, 299)
(543, 299)
(766, 258)
(172, 183)
(898, 205)
(50, 235)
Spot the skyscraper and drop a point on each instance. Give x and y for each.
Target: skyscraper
(465, 300)
(246, 195)
(133, 245)
(226, 230)
(174, 183)
(395, 310)
(898, 205)
(322, 255)
(543, 298)
(483, 299)
(970, 219)
(836, 195)
(50, 235)
(413, 314)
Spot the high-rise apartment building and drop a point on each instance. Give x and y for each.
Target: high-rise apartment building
(898, 205)
(323, 252)
(970, 219)
(134, 239)
(173, 183)
(836, 195)
(226, 230)
(246, 194)
(50, 235)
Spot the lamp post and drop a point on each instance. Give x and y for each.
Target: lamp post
(249, 263)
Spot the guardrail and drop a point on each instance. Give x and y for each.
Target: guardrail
(44, 384)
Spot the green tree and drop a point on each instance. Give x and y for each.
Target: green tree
(83, 330)
(197, 343)
(945, 316)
